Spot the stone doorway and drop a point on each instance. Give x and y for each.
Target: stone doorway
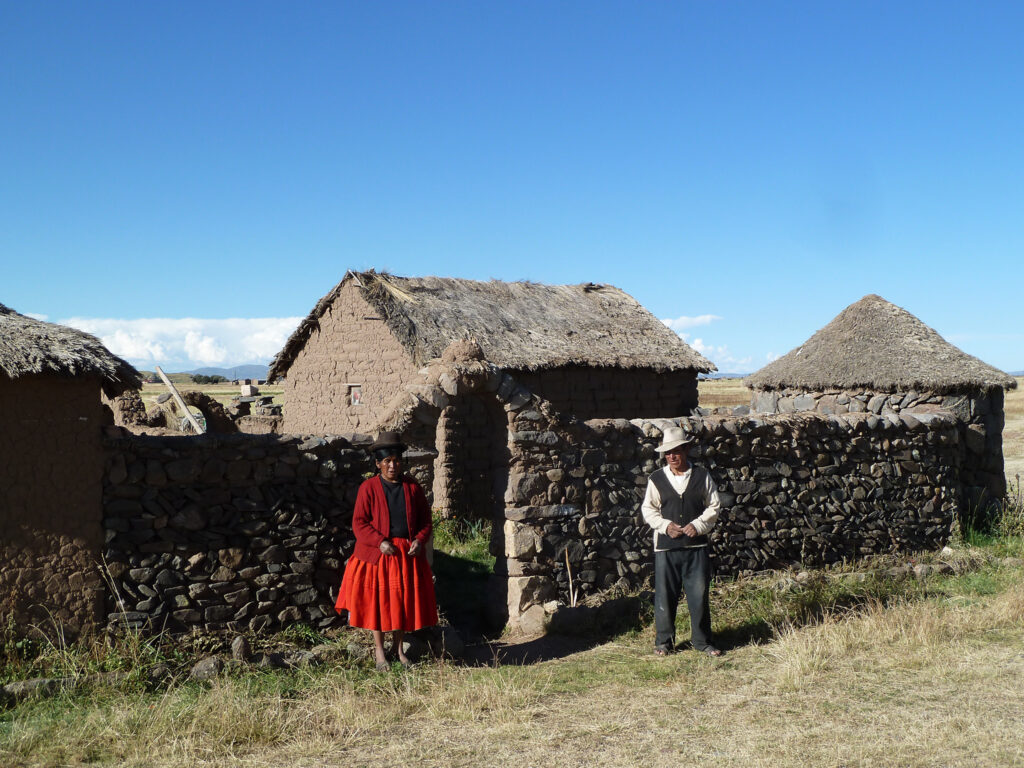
(470, 477)
(471, 469)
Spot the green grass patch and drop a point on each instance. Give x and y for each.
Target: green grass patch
(463, 567)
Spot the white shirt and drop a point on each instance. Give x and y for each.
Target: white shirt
(651, 507)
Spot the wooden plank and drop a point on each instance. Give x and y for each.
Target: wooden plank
(181, 403)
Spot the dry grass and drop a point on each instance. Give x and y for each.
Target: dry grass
(1013, 432)
(938, 681)
(714, 393)
(222, 393)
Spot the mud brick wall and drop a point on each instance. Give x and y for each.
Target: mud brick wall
(979, 412)
(50, 502)
(472, 463)
(227, 532)
(353, 346)
(610, 393)
(798, 489)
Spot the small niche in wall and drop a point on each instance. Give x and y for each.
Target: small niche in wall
(355, 394)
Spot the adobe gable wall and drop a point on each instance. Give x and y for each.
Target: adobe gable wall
(353, 346)
(50, 502)
(613, 393)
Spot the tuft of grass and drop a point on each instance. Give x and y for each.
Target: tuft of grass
(1000, 528)
(467, 539)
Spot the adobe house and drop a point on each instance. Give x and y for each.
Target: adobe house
(878, 358)
(592, 350)
(51, 469)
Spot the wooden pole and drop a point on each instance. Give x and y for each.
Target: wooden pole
(181, 403)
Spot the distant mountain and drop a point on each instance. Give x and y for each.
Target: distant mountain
(724, 375)
(238, 372)
(1017, 373)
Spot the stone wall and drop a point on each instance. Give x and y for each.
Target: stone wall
(612, 393)
(227, 532)
(50, 502)
(979, 412)
(353, 346)
(797, 489)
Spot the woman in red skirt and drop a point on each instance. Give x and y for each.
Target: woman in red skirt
(387, 585)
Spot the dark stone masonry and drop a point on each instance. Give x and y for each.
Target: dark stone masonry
(250, 532)
(235, 532)
(805, 489)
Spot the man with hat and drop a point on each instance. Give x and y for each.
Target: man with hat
(681, 505)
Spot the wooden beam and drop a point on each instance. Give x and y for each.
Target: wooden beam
(181, 403)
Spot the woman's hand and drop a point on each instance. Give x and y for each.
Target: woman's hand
(414, 548)
(387, 548)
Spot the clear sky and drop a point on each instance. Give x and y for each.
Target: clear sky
(187, 179)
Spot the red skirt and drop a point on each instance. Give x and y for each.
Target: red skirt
(395, 593)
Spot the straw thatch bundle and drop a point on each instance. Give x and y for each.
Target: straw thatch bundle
(519, 326)
(876, 345)
(29, 346)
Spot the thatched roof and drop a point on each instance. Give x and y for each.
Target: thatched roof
(519, 326)
(876, 345)
(29, 346)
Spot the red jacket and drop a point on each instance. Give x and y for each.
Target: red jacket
(371, 520)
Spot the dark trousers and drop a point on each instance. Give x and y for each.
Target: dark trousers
(677, 571)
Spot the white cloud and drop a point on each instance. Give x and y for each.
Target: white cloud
(187, 343)
(724, 360)
(684, 322)
(720, 355)
(36, 316)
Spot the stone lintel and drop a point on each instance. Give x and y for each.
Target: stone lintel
(547, 512)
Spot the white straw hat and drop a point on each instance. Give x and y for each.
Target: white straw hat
(674, 437)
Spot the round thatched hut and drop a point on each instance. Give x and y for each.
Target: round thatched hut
(877, 357)
(51, 465)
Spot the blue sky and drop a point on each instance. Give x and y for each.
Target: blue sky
(187, 179)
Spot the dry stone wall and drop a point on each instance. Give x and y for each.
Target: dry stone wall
(979, 413)
(227, 532)
(796, 489)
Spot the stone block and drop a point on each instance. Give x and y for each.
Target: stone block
(533, 621)
(804, 403)
(521, 541)
(526, 591)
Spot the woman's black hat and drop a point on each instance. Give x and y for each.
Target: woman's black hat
(388, 440)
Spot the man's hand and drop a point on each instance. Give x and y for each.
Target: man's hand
(676, 531)
(388, 548)
(414, 548)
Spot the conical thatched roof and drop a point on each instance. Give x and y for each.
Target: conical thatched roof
(521, 326)
(876, 345)
(29, 346)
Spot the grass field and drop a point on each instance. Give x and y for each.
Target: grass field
(1013, 432)
(830, 672)
(714, 393)
(222, 393)
(840, 669)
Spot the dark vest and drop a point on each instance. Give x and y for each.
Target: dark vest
(681, 508)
